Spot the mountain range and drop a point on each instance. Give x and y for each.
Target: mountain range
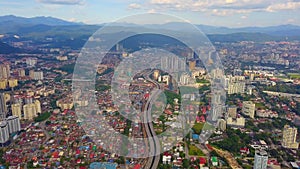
(48, 27)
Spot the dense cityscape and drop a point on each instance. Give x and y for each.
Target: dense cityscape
(257, 128)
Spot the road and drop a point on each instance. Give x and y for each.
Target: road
(154, 144)
(153, 140)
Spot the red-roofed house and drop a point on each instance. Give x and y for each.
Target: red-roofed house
(137, 166)
(202, 161)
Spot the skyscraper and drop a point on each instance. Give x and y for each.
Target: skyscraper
(260, 159)
(289, 135)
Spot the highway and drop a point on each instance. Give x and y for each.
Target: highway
(154, 144)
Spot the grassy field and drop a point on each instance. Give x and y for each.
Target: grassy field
(195, 151)
(260, 105)
(198, 127)
(294, 75)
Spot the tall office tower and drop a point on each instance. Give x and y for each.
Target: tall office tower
(13, 124)
(192, 65)
(4, 71)
(260, 159)
(31, 62)
(3, 107)
(4, 133)
(16, 110)
(232, 111)
(29, 111)
(289, 135)
(249, 108)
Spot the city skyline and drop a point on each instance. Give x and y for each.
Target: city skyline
(229, 13)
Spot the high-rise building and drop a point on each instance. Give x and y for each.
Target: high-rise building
(289, 135)
(21, 73)
(252, 76)
(156, 74)
(28, 100)
(12, 83)
(36, 75)
(4, 71)
(236, 122)
(13, 124)
(173, 64)
(3, 83)
(192, 65)
(31, 62)
(232, 111)
(4, 133)
(249, 108)
(260, 159)
(237, 72)
(222, 124)
(235, 84)
(185, 79)
(3, 107)
(38, 106)
(29, 111)
(16, 110)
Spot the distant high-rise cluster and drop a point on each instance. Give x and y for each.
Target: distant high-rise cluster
(26, 108)
(31, 62)
(289, 135)
(5, 77)
(173, 64)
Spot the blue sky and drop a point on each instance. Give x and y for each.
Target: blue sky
(230, 13)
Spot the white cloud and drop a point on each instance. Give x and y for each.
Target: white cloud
(283, 6)
(134, 6)
(62, 2)
(151, 11)
(244, 17)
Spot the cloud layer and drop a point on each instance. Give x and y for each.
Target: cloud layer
(219, 7)
(62, 2)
